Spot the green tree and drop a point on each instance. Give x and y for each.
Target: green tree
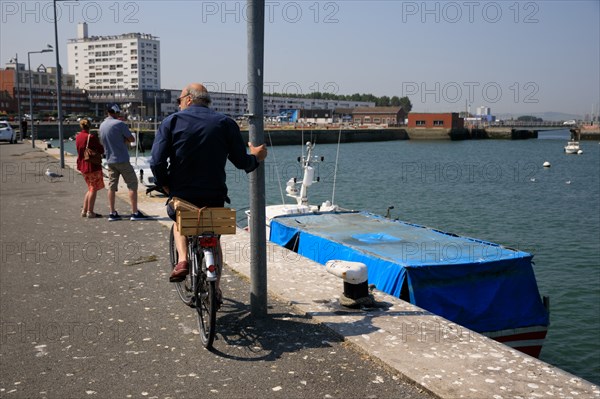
(369, 97)
(529, 118)
(405, 104)
(383, 101)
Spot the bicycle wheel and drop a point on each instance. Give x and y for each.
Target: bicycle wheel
(206, 306)
(184, 288)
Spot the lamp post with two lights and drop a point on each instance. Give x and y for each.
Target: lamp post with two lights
(46, 50)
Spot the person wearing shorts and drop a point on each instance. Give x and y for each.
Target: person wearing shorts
(189, 154)
(116, 136)
(92, 173)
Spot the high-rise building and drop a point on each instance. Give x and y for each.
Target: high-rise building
(125, 69)
(129, 61)
(484, 111)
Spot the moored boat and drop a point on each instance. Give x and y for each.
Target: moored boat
(528, 340)
(572, 147)
(486, 287)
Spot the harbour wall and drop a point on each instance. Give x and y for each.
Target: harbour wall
(324, 136)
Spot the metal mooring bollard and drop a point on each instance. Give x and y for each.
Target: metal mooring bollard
(356, 286)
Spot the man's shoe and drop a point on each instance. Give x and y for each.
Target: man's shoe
(114, 216)
(179, 272)
(139, 216)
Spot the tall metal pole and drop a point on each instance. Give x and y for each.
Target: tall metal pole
(139, 133)
(18, 95)
(258, 254)
(59, 93)
(155, 114)
(31, 102)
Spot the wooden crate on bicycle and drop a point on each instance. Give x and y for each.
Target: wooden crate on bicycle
(192, 220)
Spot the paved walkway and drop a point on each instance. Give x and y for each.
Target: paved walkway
(85, 312)
(88, 321)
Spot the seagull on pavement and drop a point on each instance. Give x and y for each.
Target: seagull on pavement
(52, 175)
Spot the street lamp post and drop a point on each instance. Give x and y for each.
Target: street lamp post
(137, 139)
(155, 114)
(18, 95)
(52, 94)
(58, 92)
(156, 107)
(46, 50)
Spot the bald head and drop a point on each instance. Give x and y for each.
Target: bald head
(198, 94)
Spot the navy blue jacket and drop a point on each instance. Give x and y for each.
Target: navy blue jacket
(191, 149)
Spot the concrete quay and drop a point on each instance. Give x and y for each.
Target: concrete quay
(437, 357)
(86, 310)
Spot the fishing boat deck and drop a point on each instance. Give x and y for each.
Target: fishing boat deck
(477, 284)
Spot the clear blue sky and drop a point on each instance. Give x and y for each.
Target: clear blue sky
(513, 56)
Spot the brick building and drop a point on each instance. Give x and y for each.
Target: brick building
(378, 115)
(449, 120)
(43, 91)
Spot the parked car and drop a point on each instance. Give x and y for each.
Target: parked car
(572, 122)
(7, 133)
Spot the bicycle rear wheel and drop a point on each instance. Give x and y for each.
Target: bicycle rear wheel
(184, 288)
(206, 307)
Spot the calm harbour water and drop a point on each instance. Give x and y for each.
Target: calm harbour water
(494, 190)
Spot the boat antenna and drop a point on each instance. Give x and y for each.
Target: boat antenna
(276, 167)
(337, 156)
(302, 130)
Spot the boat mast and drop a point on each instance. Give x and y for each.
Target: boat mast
(308, 176)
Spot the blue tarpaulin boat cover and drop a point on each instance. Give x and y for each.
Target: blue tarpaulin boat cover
(480, 285)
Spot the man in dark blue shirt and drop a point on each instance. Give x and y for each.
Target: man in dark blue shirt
(189, 154)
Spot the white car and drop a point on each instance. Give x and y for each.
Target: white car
(572, 122)
(7, 133)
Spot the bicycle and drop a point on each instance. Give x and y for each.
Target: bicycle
(202, 227)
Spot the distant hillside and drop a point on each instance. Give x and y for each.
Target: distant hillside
(547, 116)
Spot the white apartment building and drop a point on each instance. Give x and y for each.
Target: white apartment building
(484, 110)
(274, 104)
(125, 69)
(129, 61)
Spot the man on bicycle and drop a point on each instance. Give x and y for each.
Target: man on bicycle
(189, 154)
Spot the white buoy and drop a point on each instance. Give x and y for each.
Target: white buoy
(546, 164)
(579, 152)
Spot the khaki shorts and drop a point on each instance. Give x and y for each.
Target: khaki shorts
(122, 168)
